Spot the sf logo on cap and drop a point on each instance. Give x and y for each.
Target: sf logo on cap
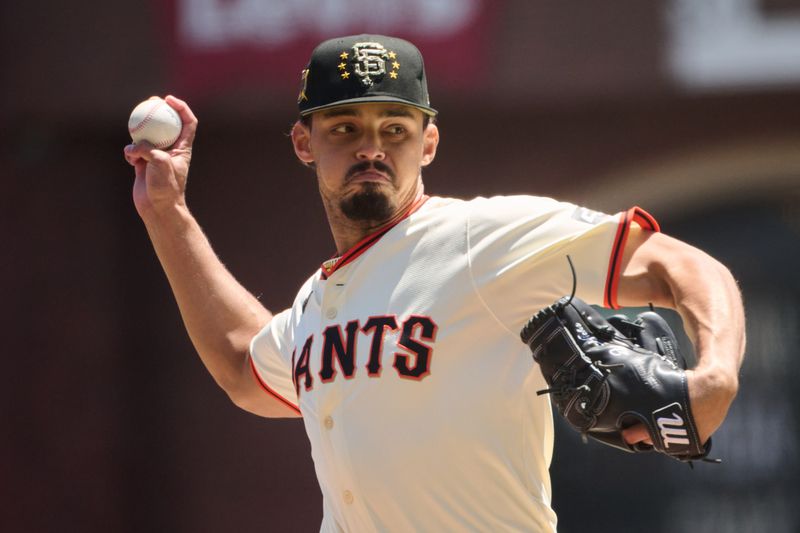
(370, 61)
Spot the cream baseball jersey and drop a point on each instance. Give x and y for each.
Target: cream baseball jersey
(404, 358)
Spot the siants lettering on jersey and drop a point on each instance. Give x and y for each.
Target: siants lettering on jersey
(337, 355)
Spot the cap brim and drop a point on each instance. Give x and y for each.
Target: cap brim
(371, 100)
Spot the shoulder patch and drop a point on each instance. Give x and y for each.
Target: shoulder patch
(588, 216)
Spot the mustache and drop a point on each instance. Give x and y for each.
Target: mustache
(368, 165)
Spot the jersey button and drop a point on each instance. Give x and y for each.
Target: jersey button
(331, 313)
(348, 497)
(328, 422)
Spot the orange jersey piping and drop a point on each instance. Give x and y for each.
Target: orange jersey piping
(335, 263)
(646, 221)
(271, 391)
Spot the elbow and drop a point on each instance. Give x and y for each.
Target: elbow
(262, 405)
(234, 377)
(240, 389)
(236, 394)
(689, 274)
(243, 401)
(249, 395)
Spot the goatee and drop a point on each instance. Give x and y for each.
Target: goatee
(368, 204)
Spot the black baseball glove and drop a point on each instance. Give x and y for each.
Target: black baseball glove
(608, 374)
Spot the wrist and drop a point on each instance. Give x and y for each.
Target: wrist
(172, 216)
(719, 378)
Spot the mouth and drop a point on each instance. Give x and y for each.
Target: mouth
(370, 172)
(369, 176)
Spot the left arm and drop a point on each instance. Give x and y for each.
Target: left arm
(669, 273)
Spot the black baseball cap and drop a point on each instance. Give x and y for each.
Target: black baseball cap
(364, 68)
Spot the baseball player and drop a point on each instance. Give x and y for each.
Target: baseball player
(402, 353)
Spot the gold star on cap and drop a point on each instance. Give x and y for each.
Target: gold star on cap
(345, 75)
(342, 66)
(395, 64)
(343, 55)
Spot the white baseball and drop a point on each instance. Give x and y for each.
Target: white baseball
(156, 122)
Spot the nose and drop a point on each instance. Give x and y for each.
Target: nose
(371, 148)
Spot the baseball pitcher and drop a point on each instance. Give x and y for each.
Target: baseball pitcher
(402, 353)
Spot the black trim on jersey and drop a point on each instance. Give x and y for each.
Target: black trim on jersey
(645, 221)
(611, 287)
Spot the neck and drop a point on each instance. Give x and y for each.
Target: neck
(347, 233)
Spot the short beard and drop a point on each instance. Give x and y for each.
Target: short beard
(368, 204)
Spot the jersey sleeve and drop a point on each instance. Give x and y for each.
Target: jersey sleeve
(518, 248)
(270, 362)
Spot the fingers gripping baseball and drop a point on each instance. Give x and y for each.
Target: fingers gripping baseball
(161, 175)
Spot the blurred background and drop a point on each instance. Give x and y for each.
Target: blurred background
(109, 422)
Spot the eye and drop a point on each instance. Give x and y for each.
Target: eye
(396, 129)
(342, 129)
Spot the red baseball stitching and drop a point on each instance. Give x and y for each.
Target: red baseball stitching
(147, 119)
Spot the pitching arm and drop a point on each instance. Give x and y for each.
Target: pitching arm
(220, 315)
(666, 272)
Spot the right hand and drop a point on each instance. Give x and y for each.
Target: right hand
(161, 175)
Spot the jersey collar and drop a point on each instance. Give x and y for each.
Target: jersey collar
(338, 261)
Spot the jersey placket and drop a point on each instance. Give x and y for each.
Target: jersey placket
(345, 493)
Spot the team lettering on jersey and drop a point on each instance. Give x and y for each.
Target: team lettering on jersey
(337, 350)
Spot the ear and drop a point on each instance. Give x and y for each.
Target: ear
(430, 140)
(301, 140)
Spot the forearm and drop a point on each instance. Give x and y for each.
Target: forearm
(220, 315)
(706, 296)
(669, 273)
(673, 274)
